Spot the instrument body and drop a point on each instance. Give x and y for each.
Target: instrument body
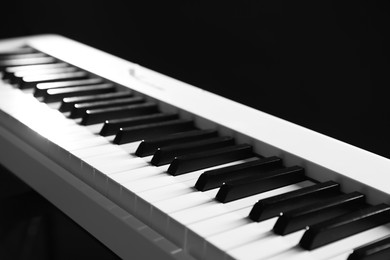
(78, 189)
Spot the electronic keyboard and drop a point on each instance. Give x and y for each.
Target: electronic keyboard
(155, 168)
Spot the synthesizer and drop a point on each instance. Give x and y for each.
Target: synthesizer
(156, 168)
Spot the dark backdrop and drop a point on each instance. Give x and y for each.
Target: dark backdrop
(321, 65)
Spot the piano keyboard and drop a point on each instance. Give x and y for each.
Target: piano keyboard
(156, 168)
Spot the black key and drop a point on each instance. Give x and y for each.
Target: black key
(80, 109)
(136, 133)
(166, 154)
(149, 146)
(21, 50)
(18, 76)
(198, 161)
(215, 178)
(100, 115)
(9, 72)
(376, 250)
(235, 190)
(273, 206)
(347, 225)
(41, 88)
(299, 218)
(28, 61)
(32, 81)
(55, 95)
(23, 56)
(67, 103)
(111, 127)
(15, 58)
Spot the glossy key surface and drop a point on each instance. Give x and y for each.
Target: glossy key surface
(27, 61)
(337, 228)
(68, 103)
(197, 161)
(152, 130)
(32, 81)
(80, 108)
(215, 178)
(41, 88)
(234, 190)
(10, 71)
(18, 76)
(57, 94)
(100, 115)
(299, 218)
(273, 206)
(166, 154)
(376, 250)
(111, 127)
(149, 146)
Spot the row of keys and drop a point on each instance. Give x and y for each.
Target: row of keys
(181, 146)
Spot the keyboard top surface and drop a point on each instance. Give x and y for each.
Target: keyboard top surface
(324, 157)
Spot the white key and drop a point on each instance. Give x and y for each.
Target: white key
(95, 128)
(101, 147)
(96, 150)
(166, 192)
(136, 174)
(185, 201)
(213, 220)
(195, 241)
(154, 187)
(54, 105)
(271, 245)
(282, 247)
(244, 234)
(215, 208)
(78, 141)
(335, 249)
(109, 164)
(160, 190)
(343, 256)
(131, 147)
(164, 179)
(150, 183)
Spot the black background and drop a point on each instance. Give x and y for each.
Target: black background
(323, 65)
